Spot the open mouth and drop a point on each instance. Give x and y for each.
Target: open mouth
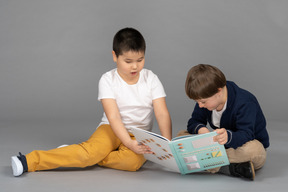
(133, 73)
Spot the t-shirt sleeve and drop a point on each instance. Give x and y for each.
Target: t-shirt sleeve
(105, 89)
(157, 88)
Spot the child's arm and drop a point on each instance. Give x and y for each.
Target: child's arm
(112, 112)
(198, 121)
(163, 117)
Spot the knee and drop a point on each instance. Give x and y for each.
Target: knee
(85, 156)
(133, 164)
(82, 155)
(125, 162)
(182, 133)
(253, 148)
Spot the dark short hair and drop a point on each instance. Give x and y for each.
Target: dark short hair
(128, 39)
(204, 81)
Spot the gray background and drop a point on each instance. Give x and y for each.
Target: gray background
(53, 53)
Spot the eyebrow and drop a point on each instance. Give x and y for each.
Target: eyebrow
(128, 59)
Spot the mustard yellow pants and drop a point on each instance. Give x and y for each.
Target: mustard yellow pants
(102, 148)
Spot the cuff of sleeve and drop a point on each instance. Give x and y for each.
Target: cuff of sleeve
(229, 133)
(198, 127)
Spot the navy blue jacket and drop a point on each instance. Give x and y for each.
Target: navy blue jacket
(243, 118)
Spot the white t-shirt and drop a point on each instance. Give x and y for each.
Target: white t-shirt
(134, 101)
(216, 116)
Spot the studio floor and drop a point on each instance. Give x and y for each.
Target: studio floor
(26, 136)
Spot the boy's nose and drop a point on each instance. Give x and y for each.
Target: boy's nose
(134, 66)
(200, 105)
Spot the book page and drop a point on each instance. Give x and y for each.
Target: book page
(159, 145)
(198, 152)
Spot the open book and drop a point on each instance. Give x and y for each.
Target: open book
(185, 154)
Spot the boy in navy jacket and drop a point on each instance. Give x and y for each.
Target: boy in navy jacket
(234, 114)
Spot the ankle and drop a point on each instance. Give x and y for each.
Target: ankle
(23, 160)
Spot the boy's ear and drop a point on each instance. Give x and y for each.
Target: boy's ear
(114, 56)
(219, 90)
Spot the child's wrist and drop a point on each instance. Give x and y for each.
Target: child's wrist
(128, 143)
(203, 130)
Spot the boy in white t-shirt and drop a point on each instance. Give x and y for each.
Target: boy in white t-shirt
(129, 95)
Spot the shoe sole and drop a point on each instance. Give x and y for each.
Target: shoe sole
(253, 171)
(17, 166)
(62, 146)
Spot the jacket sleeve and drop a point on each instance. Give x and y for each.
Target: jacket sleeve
(245, 124)
(197, 120)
